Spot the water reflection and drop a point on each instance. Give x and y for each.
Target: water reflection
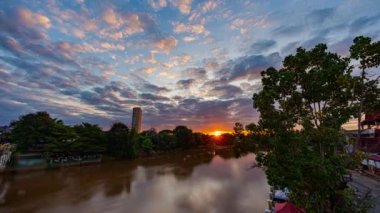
(195, 181)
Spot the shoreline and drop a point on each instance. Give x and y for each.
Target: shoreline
(23, 170)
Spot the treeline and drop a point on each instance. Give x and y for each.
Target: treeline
(39, 132)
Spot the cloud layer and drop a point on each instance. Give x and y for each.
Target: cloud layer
(195, 63)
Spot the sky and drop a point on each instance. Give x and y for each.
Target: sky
(184, 62)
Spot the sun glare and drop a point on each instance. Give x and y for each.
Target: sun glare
(217, 133)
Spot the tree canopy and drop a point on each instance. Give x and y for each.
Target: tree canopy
(302, 107)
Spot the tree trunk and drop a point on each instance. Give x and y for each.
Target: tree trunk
(359, 127)
(360, 111)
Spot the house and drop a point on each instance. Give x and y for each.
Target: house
(370, 135)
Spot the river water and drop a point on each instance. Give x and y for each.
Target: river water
(193, 181)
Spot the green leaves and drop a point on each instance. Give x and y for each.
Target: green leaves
(303, 106)
(311, 86)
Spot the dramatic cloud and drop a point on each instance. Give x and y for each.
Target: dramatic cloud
(249, 67)
(197, 61)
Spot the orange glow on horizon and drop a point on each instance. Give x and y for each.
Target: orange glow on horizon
(217, 133)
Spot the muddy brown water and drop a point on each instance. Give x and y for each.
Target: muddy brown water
(192, 181)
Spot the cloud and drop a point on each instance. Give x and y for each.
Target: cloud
(188, 28)
(197, 73)
(166, 44)
(241, 24)
(184, 6)
(178, 60)
(147, 87)
(148, 70)
(210, 63)
(110, 46)
(320, 16)
(108, 73)
(111, 18)
(157, 4)
(129, 23)
(12, 45)
(154, 88)
(189, 38)
(291, 47)
(262, 45)
(79, 33)
(225, 92)
(115, 35)
(186, 83)
(249, 67)
(364, 22)
(28, 18)
(135, 24)
(90, 25)
(288, 30)
(24, 24)
(152, 97)
(209, 5)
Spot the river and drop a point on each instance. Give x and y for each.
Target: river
(192, 181)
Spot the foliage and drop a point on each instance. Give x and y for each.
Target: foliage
(255, 139)
(366, 87)
(91, 138)
(40, 132)
(238, 131)
(184, 137)
(302, 107)
(119, 140)
(35, 130)
(146, 143)
(312, 89)
(167, 140)
(61, 139)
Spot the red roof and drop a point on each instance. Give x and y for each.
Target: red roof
(371, 117)
(287, 208)
(374, 157)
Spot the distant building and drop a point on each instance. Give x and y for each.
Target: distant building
(137, 119)
(370, 136)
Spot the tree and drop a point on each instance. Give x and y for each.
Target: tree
(91, 138)
(61, 139)
(35, 130)
(167, 140)
(153, 137)
(146, 143)
(366, 90)
(184, 137)
(239, 131)
(118, 141)
(302, 107)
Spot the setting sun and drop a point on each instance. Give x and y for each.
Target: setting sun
(217, 133)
